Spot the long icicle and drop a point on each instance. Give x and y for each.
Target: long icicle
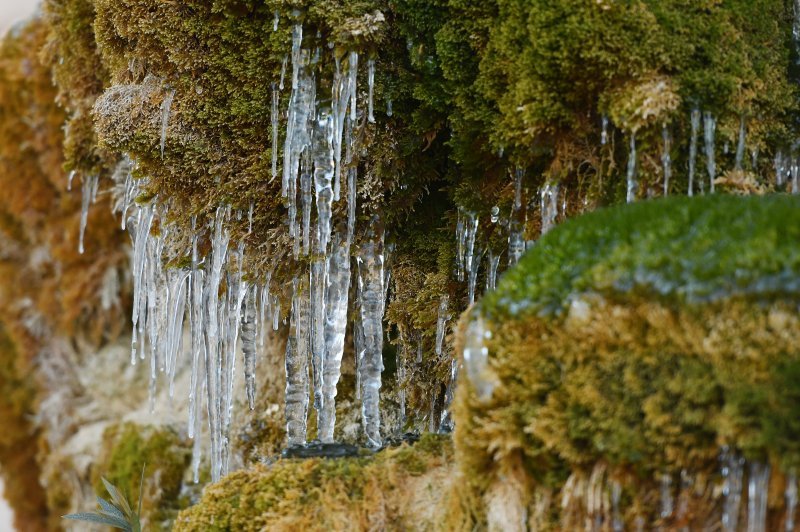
(371, 279)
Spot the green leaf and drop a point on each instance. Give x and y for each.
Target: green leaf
(101, 519)
(109, 509)
(118, 497)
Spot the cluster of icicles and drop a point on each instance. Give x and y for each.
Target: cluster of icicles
(787, 168)
(226, 313)
(595, 501)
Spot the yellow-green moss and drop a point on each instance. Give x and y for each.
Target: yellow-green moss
(397, 489)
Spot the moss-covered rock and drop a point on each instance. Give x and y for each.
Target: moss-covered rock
(405, 488)
(631, 343)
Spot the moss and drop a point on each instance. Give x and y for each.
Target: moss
(130, 448)
(686, 249)
(635, 342)
(396, 489)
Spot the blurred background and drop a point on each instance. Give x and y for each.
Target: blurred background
(12, 12)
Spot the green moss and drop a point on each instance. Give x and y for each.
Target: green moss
(395, 489)
(129, 448)
(689, 249)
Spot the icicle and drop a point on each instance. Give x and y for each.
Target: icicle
(754, 159)
(757, 493)
(371, 88)
(297, 42)
(400, 363)
(740, 147)
(306, 199)
(274, 118)
(472, 279)
(249, 346)
(633, 185)
(791, 501)
(495, 214)
(88, 195)
(667, 500)
(779, 168)
(276, 312)
(340, 97)
(214, 329)
(476, 357)
(549, 206)
(693, 148)
(358, 340)
(69, 179)
(604, 134)
(276, 21)
(389, 111)
(470, 232)
(166, 105)
(441, 323)
(519, 174)
(732, 470)
(516, 243)
(297, 365)
(491, 272)
(335, 328)
(666, 158)
(794, 169)
(283, 72)
(195, 429)
(317, 331)
(710, 127)
(351, 203)
(353, 73)
(142, 235)
(461, 237)
(617, 524)
(177, 310)
(323, 153)
(195, 329)
(370, 279)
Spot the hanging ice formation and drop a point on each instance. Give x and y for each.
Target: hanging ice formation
(604, 133)
(740, 146)
(732, 473)
(666, 157)
(633, 185)
(166, 106)
(516, 239)
(757, 491)
(709, 129)
(89, 185)
(549, 206)
(695, 119)
(371, 306)
(791, 501)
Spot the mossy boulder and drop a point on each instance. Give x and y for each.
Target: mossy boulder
(404, 488)
(631, 344)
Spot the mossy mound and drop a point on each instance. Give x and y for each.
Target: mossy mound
(404, 488)
(633, 343)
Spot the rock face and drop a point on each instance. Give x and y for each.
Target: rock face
(639, 366)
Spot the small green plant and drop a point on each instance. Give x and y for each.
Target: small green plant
(116, 513)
